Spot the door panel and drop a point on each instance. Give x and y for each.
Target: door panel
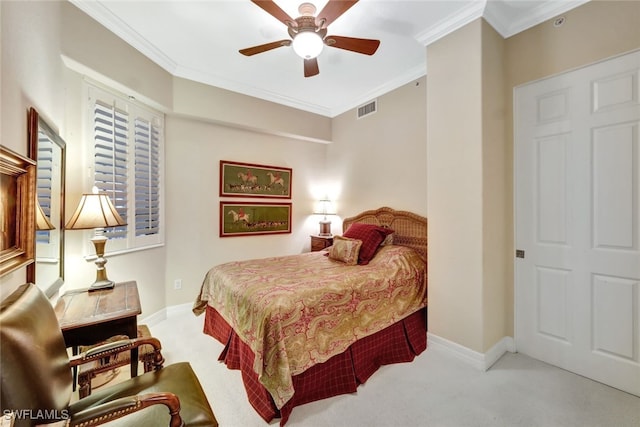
(551, 189)
(613, 316)
(554, 311)
(577, 196)
(613, 166)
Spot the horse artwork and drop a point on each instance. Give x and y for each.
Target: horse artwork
(248, 178)
(239, 216)
(275, 179)
(253, 180)
(245, 218)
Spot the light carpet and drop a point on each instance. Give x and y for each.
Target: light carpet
(434, 390)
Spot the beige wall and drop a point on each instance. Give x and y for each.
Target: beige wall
(497, 238)
(233, 109)
(111, 59)
(31, 72)
(192, 176)
(455, 186)
(592, 32)
(376, 161)
(381, 159)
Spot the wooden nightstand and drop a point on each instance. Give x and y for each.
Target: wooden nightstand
(87, 318)
(318, 243)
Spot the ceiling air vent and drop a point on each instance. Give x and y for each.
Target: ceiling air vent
(368, 109)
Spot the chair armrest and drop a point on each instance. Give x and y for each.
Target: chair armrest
(127, 405)
(113, 348)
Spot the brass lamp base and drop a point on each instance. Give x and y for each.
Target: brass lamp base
(102, 285)
(102, 282)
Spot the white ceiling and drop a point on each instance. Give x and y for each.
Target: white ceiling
(199, 40)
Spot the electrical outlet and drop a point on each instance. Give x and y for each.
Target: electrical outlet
(177, 284)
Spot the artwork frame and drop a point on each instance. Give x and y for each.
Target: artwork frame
(239, 179)
(254, 218)
(17, 216)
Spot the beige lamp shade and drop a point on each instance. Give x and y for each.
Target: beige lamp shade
(94, 211)
(325, 207)
(42, 222)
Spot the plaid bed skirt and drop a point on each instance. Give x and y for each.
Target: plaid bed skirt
(341, 374)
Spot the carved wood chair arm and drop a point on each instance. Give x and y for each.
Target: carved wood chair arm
(124, 406)
(113, 348)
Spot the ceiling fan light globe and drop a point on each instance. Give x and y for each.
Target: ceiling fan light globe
(307, 44)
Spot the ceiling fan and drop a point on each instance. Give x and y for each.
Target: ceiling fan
(308, 32)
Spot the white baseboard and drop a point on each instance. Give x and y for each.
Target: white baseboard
(480, 361)
(165, 313)
(155, 318)
(172, 310)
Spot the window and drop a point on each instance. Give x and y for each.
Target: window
(127, 159)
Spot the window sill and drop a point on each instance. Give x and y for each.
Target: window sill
(93, 257)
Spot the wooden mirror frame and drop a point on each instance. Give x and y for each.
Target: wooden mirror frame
(38, 128)
(17, 215)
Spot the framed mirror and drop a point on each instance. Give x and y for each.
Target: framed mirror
(47, 148)
(17, 210)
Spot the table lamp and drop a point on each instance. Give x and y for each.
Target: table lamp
(42, 222)
(95, 211)
(325, 207)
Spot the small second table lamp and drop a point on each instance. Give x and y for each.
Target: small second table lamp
(96, 211)
(325, 207)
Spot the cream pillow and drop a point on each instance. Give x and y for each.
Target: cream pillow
(387, 240)
(345, 250)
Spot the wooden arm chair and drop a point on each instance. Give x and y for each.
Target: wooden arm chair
(93, 362)
(37, 381)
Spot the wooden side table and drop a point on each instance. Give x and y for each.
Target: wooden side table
(87, 318)
(318, 243)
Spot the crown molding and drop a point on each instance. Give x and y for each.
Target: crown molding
(109, 20)
(496, 14)
(244, 89)
(454, 21)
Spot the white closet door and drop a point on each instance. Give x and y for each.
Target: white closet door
(577, 196)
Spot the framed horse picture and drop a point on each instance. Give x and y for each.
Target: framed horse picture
(251, 180)
(246, 218)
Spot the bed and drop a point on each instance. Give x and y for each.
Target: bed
(306, 327)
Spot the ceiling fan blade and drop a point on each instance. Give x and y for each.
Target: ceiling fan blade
(365, 46)
(264, 47)
(333, 10)
(274, 10)
(311, 67)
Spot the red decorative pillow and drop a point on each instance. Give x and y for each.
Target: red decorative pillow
(371, 236)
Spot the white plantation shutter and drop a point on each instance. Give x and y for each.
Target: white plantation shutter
(147, 178)
(44, 176)
(127, 159)
(111, 137)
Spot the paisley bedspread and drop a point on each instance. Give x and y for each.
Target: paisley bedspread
(299, 310)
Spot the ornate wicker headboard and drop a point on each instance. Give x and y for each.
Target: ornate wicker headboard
(410, 229)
